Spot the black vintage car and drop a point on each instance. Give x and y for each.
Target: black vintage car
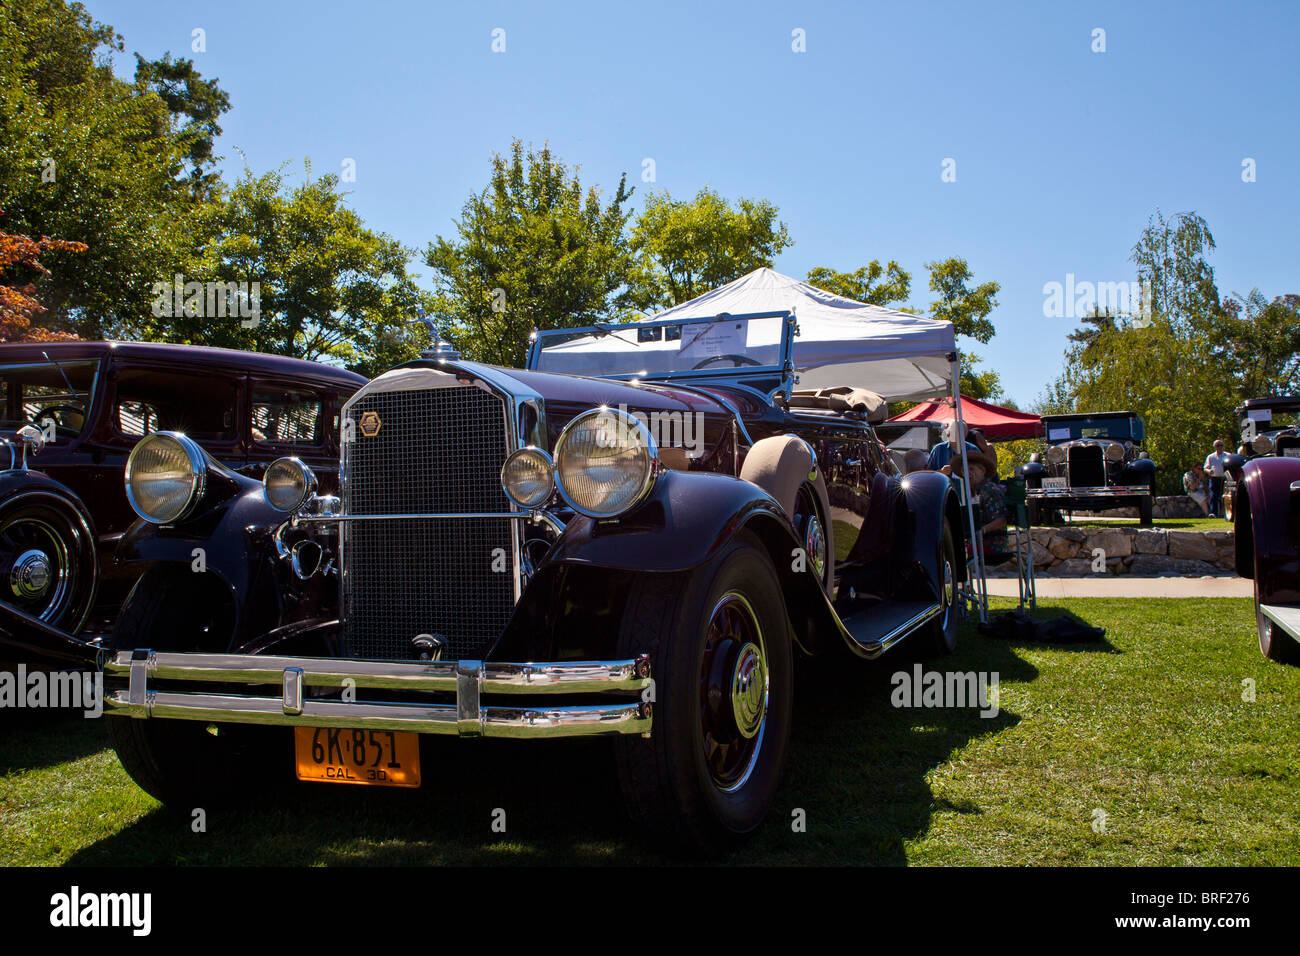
(1094, 461)
(72, 413)
(532, 553)
(1270, 427)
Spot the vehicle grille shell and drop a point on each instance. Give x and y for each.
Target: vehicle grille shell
(1087, 466)
(437, 450)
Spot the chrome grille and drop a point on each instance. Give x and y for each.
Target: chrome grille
(437, 450)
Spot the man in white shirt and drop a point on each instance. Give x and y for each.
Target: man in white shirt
(1215, 467)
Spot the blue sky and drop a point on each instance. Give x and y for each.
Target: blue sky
(1061, 153)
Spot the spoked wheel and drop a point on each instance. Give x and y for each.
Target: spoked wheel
(48, 566)
(733, 692)
(809, 522)
(943, 629)
(721, 660)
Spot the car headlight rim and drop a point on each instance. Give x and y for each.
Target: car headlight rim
(1055, 455)
(1262, 444)
(196, 480)
(636, 492)
(547, 467)
(1115, 452)
(305, 483)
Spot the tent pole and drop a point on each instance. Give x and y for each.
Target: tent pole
(981, 589)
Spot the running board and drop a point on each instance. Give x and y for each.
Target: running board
(1284, 616)
(875, 630)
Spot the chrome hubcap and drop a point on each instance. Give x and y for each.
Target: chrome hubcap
(749, 690)
(815, 545)
(30, 576)
(949, 590)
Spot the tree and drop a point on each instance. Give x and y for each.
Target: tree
(196, 102)
(307, 279)
(865, 284)
(965, 307)
(1170, 256)
(20, 255)
(1259, 342)
(683, 248)
(93, 159)
(534, 250)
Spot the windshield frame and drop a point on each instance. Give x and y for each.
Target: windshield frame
(784, 369)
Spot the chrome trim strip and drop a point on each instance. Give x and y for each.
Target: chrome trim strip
(293, 697)
(1107, 491)
(327, 519)
(569, 677)
(516, 722)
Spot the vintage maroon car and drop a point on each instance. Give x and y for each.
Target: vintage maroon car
(533, 553)
(1270, 427)
(1267, 540)
(73, 412)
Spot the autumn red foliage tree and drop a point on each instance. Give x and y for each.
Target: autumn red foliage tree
(20, 260)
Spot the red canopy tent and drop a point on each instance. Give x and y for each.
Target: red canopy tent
(995, 422)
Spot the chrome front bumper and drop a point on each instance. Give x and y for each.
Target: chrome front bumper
(1105, 491)
(470, 681)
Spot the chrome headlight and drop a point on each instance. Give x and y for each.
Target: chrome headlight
(1114, 451)
(165, 477)
(288, 484)
(1262, 444)
(528, 477)
(605, 462)
(1055, 455)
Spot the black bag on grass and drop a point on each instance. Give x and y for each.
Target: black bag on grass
(1019, 626)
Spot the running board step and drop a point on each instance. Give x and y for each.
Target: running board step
(876, 629)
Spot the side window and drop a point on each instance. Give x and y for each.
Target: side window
(287, 416)
(149, 401)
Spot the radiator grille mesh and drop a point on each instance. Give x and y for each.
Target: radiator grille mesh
(435, 450)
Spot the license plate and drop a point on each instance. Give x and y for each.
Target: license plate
(1054, 483)
(375, 758)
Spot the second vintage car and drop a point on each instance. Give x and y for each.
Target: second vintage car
(73, 411)
(530, 553)
(1270, 427)
(1094, 461)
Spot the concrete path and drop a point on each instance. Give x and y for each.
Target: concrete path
(1111, 585)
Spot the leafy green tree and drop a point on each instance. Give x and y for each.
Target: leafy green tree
(967, 307)
(533, 250)
(92, 159)
(317, 284)
(1259, 342)
(684, 248)
(1170, 256)
(195, 105)
(873, 283)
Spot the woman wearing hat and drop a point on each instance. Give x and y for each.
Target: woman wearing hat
(987, 490)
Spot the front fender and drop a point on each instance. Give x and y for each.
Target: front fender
(234, 540)
(931, 499)
(1268, 529)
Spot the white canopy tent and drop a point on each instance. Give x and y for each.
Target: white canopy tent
(898, 355)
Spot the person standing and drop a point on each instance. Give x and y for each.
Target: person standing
(1216, 467)
(944, 452)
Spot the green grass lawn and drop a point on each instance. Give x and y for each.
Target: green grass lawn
(1149, 728)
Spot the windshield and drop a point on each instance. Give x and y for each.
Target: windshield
(45, 395)
(1068, 429)
(665, 349)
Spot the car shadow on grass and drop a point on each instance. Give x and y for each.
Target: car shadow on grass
(855, 791)
(33, 739)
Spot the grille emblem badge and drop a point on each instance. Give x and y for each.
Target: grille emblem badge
(370, 424)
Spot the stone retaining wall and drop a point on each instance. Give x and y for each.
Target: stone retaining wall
(1149, 552)
(1172, 506)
